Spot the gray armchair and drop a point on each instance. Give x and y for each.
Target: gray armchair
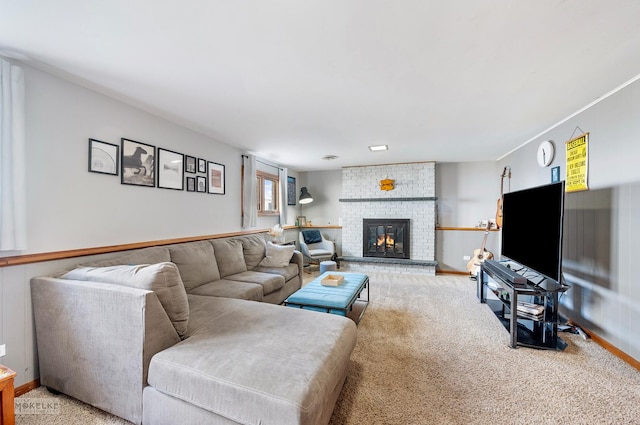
(315, 247)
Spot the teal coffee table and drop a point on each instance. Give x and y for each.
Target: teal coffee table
(332, 299)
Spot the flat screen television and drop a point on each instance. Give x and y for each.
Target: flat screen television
(532, 229)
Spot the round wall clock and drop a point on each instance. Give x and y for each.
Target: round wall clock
(545, 153)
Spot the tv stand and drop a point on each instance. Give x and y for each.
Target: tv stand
(535, 331)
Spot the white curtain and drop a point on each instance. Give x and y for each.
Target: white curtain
(249, 192)
(13, 224)
(282, 177)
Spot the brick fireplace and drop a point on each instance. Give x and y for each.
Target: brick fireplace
(413, 199)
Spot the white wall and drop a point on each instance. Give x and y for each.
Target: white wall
(467, 192)
(69, 207)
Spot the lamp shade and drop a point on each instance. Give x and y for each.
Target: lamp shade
(305, 196)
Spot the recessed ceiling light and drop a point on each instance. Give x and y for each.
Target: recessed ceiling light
(329, 157)
(376, 148)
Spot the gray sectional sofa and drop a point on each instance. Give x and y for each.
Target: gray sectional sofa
(191, 333)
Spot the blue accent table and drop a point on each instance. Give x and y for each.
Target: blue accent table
(332, 299)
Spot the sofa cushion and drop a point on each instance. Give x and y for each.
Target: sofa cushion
(228, 366)
(288, 272)
(196, 262)
(269, 281)
(253, 249)
(229, 256)
(277, 255)
(162, 278)
(230, 289)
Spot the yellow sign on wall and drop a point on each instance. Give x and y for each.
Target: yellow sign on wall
(577, 163)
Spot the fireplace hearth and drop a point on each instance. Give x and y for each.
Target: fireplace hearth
(387, 238)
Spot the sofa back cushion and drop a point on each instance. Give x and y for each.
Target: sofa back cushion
(229, 256)
(161, 278)
(253, 248)
(196, 262)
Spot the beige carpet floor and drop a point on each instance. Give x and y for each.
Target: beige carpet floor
(429, 353)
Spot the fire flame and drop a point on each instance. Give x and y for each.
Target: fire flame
(388, 238)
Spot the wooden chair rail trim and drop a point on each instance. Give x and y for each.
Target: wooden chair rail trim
(59, 255)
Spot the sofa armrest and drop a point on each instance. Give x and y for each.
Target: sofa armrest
(95, 341)
(298, 259)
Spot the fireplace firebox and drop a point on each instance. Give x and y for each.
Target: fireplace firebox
(383, 237)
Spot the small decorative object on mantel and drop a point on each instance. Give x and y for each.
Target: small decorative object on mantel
(387, 184)
(275, 232)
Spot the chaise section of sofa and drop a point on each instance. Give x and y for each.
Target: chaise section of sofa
(265, 364)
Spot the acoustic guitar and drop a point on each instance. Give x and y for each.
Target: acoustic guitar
(481, 254)
(505, 172)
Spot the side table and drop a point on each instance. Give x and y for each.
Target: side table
(7, 408)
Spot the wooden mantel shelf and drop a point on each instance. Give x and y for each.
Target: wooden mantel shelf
(428, 198)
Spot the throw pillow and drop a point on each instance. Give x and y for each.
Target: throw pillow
(277, 255)
(311, 236)
(162, 278)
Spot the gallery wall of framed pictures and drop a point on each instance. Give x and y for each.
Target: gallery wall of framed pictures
(142, 164)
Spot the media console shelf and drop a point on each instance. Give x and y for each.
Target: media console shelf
(535, 331)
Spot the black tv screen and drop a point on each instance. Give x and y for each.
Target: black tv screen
(532, 228)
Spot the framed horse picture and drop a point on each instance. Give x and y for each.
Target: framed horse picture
(137, 163)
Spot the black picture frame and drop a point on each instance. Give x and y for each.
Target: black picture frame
(104, 158)
(201, 185)
(202, 165)
(215, 178)
(191, 184)
(189, 164)
(170, 169)
(291, 190)
(137, 163)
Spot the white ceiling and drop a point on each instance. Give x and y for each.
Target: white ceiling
(295, 80)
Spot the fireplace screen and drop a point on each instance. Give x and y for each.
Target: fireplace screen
(386, 238)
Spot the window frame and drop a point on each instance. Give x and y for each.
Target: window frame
(262, 177)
